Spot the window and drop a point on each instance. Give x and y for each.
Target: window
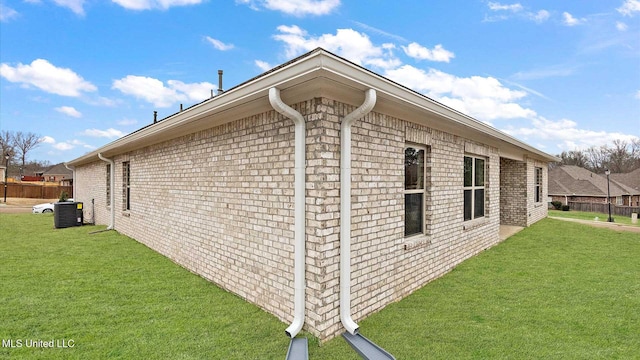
(538, 186)
(619, 201)
(474, 169)
(108, 184)
(414, 188)
(126, 186)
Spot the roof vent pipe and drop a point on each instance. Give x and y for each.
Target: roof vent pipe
(180, 107)
(155, 117)
(299, 210)
(345, 209)
(220, 91)
(112, 181)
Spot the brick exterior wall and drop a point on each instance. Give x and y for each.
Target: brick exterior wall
(220, 203)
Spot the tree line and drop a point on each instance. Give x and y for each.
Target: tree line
(621, 157)
(18, 145)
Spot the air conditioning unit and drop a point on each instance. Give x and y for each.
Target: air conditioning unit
(67, 214)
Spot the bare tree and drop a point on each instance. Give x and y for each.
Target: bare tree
(6, 144)
(25, 142)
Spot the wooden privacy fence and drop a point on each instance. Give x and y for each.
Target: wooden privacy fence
(35, 191)
(604, 208)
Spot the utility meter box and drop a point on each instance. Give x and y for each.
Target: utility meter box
(67, 214)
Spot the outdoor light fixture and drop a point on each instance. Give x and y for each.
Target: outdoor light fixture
(608, 172)
(6, 170)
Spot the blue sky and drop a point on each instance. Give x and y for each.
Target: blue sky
(558, 75)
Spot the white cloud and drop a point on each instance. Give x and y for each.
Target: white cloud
(154, 91)
(420, 52)
(353, 45)
(70, 111)
(569, 20)
(263, 65)
(110, 133)
(45, 76)
(566, 134)
(500, 7)
(546, 72)
(7, 13)
(219, 44)
(621, 26)
(629, 7)
(540, 16)
(154, 4)
(295, 7)
(48, 140)
(507, 11)
(77, 6)
(484, 98)
(62, 146)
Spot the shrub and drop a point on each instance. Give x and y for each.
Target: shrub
(63, 196)
(565, 207)
(557, 205)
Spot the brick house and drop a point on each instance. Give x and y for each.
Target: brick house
(570, 183)
(247, 189)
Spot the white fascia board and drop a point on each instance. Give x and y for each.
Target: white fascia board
(297, 76)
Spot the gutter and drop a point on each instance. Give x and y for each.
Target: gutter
(112, 179)
(345, 209)
(72, 168)
(299, 209)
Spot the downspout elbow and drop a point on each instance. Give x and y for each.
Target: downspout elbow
(345, 209)
(112, 179)
(299, 210)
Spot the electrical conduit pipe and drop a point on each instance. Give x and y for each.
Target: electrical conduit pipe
(112, 180)
(345, 209)
(299, 210)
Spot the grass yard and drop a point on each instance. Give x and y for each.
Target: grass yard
(555, 290)
(583, 215)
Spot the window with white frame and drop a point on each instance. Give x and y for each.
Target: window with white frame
(126, 186)
(538, 185)
(619, 201)
(474, 176)
(414, 190)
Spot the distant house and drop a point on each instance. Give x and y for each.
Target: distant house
(318, 190)
(569, 183)
(59, 174)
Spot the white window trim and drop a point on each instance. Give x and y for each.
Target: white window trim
(422, 191)
(537, 187)
(473, 187)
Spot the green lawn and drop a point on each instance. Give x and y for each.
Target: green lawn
(584, 215)
(555, 290)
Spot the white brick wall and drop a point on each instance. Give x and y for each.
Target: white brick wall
(220, 203)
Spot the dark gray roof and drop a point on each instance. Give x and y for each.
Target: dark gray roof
(58, 169)
(574, 180)
(630, 180)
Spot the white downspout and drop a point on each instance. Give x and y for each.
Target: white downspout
(299, 210)
(72, 168)
(345, 209)
(112, 179)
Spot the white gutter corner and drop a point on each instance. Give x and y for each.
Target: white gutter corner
(299, 210)
(112, 179)
(345, 209)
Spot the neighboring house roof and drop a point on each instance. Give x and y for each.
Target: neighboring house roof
(58, 169)
(573, 180)
(318, 73)
(630, 180)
